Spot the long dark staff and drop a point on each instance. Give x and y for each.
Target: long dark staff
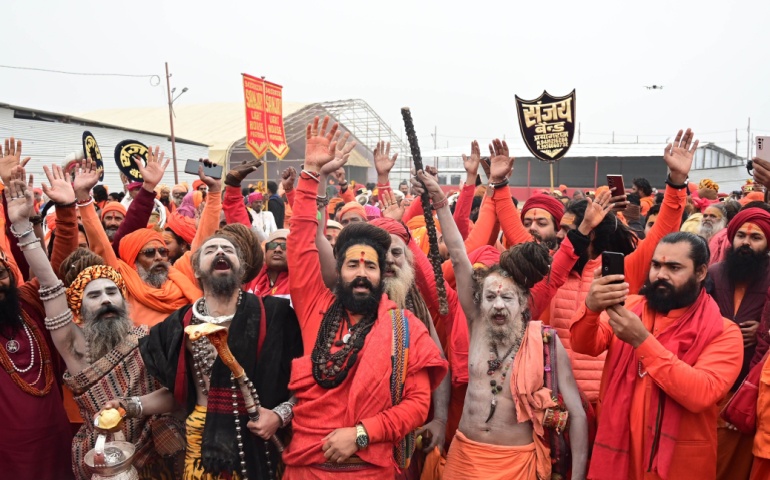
(430, 224)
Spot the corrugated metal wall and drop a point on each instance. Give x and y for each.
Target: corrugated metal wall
(50, 142)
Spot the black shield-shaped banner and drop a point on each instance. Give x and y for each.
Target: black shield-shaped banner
(125, 152)
(547, 125)
(91, 149)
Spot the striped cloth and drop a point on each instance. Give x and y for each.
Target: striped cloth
(121, 373)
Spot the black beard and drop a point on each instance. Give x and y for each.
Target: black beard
(552, 243)
(669, 298)
(221, 286)
(104, 334)
(359, 304)
(745, 265)
(10, 310)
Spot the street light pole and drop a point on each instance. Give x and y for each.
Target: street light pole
(171, 121)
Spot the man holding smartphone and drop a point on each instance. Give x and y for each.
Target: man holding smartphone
(670, 357)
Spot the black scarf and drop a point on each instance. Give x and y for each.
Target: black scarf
(270, 374)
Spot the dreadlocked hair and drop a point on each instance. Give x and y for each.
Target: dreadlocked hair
(416, 304)
(611, 235)
(526, 264)
(251, 254)
(433, 254)
(76, 262)
(361, 233)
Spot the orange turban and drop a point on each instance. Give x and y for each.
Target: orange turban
(198, 183)
(78, 286)
(183, 226)
(134, 242)
(418, 221)
(333, 205)
(354, 207)
(113, 207)
(394, 227)
(197, 198)
(752, 197)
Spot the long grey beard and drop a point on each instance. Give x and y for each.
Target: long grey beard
(398, 287)
(708, 231)
(104, 335)
(152, 278)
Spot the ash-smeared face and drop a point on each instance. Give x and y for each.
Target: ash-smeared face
(502, 304)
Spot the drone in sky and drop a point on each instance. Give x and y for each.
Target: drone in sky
(654, 87)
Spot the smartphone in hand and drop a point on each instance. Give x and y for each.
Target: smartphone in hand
(213, 171)
(613, 263)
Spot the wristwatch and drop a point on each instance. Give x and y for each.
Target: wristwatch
(677, 186)
(362, 438)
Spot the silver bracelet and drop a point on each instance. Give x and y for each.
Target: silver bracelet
(31, 246)
(25, 232)
(59, 321)
(51, 290)
(85, 204)
(133, 407)
(286, 412)
(22, 245)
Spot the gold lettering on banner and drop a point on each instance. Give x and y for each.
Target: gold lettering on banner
(547, 124)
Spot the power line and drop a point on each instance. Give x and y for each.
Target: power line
(154, 79)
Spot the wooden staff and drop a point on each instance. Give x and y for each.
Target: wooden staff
(433, 254)
(217, 335)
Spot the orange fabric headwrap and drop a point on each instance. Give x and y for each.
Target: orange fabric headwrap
(197, 198)
(113, 207)
(132, 243)
(198, 183)
(354, 207)
(78, 286)
(182, 226)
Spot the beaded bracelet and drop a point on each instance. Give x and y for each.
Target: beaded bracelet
(53, 295)
(322, 201)
(31, 246)
(59, 321)
(19, 235)
(441, 203)
(86, 203)
(36, 220)
(51, 288)
(314, 176)
(22, 245)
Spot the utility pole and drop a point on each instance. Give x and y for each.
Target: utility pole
(171, 121)
(748, 141)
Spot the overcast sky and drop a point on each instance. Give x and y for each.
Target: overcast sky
(457, 64)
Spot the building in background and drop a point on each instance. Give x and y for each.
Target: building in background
(49, 137)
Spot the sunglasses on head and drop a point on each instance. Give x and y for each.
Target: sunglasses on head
(274, 245)
(150, 252)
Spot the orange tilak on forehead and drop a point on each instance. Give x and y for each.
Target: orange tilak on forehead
(568, 219)
(749, 228)
(362, 253)
(535, 213)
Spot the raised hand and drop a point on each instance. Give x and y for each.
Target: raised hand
(10, 157)
(383, 162)
(339, 176)
(152, 173)
(596, 210)
(341, 153)
(390, 207)
(236, 174)
(500, 163)
(214, 184)
(86, 177)
(319, 145)
(18, 196)
(61, 190)
(429, 179)
(288, 177)
(604, 292)
(679, 154)
(471, 163)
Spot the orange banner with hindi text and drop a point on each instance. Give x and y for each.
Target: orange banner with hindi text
(276, 137)
(256, 131)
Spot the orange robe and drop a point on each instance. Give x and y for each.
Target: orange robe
(364, 396)
(761, 450)
(696, 388)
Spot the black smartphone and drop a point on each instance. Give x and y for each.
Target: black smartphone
(613, 263)
(214, 171)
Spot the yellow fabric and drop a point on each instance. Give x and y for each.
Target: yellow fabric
(195, 423)
(469, 459)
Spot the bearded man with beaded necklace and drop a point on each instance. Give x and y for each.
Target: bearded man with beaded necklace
(263, 336)
(358, 396)
(36, 437)
(501, 433)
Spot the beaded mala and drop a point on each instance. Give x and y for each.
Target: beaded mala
(495, 362)
(331, 369)
(46, 370)
(239, 438)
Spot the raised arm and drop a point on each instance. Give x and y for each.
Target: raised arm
(578, 424)
(209, 221)
(678, 157)
(452, 238)
(87, 176)
(462, 213)
(233, 206)
(288, 180)
(67, 337)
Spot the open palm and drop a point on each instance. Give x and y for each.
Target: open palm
(10, 157)
(500, 163)
(87, 176)
(679, 154)
(152, 173)
(319, 149)
(383, 162)
(18, 195)
(471, 163)
(60, 191)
